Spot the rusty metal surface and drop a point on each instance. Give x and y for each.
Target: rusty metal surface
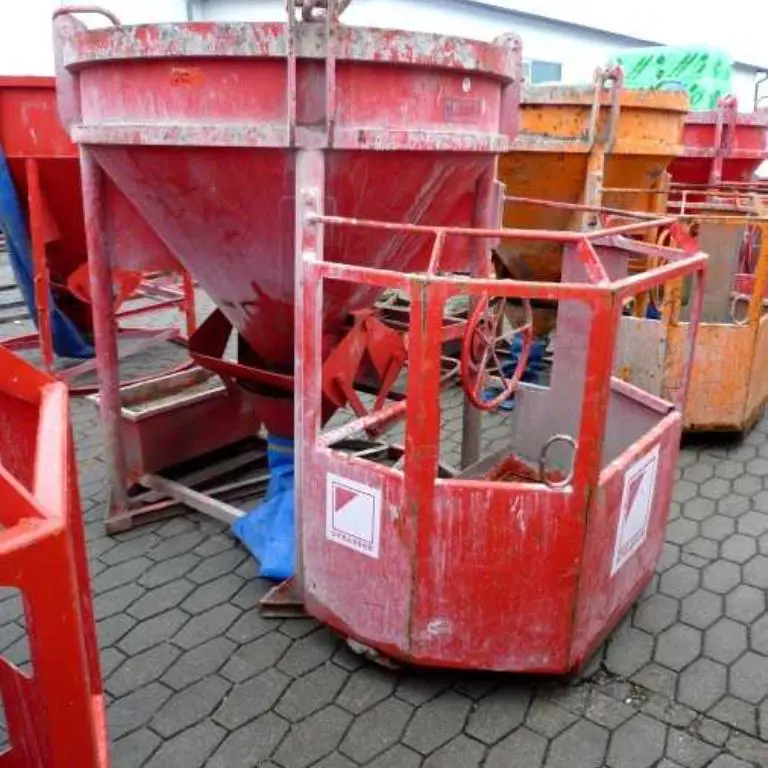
(556, 157)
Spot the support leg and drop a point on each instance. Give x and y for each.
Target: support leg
(42, 284)
(105, 333)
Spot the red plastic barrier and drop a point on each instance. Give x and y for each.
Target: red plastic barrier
(55, 715)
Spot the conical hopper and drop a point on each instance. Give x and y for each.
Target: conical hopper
(198, 125)
(550, 160)
(736, 142)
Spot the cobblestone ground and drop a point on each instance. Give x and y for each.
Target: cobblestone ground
(195, 677)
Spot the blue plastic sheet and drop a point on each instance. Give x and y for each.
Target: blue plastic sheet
(267, 531)
(67, 340)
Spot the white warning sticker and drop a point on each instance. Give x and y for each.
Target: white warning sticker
(636, 501)
(353, 514)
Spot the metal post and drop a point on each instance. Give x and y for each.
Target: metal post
(486, 215)
(105, 333)
(41, 275)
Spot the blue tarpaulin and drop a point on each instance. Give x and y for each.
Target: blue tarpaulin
(67, 340)
(267, 531)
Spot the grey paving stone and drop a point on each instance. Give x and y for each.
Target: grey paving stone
(735, 712)
(521, 749)
(312, 692)
(117, 575)
(656, 613)
(218, 565)
(255, 657)
(250, 744)
(757, 467)
(571, 697)
(629, 649)
(678, 646)
(133, 750)
(749, 678)
(437, 722)
(713, 732)
(548, 719)
(459, 753)
(110, 659)
(136, 709)
(477, 687)
(639, 743)
(747, 485)
(682, 530)
(335, 760)
(309, 652)
(606, 711)
(670, 555)
(397, 757)
(152, 631)
(700, 548)
(702, 684)
(715, 488)
(756, 572)
(747, 748)
(128, 550)
(753, 523)
(684, 490)
(109, 630)
(206, 626)
(758, 636)
(721, 577)
(729, 469)
(116, 600)
(745, 603)
(698, 508)
(169, 570)
(251, 592)
(175, 545)
(679, 581)
(298, 628)
(251, 699)
(727, 761)
(212, 593)
(718, 527)
(190, 706)
(762, 726)
(668, 711)
(689, 751)
(498, 713)
(213, 544)
(658, 679)
(701, 608)
(698, 473)
(733, 505)
(160, 599)
(738, 548)
(250, 626)
(417, 689)
(313, 738)
(366, 687)
(196, 664)
(583, 745)
(190, 749)
(725, 641)
(141, 669)
(376, 730)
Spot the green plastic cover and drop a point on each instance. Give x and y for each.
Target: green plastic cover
(705, 73)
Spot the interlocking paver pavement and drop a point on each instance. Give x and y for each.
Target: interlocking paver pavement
(194, 676)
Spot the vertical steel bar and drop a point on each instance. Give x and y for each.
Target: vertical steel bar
(190, 310)
(310, 186)
(487, 214)
(105, 332)
(42, 285)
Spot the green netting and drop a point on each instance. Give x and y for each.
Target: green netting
(705, 73)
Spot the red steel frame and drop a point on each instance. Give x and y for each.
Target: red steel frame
(55, 717)
(558, 601)
(163, 297)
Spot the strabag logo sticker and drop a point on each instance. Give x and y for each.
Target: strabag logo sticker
(636, 501)
(353, 514)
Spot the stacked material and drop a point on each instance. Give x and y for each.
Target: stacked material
(705, 73)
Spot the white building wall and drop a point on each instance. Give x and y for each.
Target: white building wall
(25, 28)
(579, 51)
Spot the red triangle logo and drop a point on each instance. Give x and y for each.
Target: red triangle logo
(341, 497)
(634, 486)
